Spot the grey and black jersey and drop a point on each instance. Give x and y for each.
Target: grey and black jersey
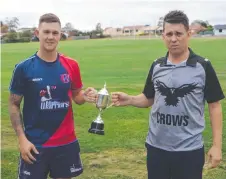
(180, 91)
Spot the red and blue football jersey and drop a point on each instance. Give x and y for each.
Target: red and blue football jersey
(47, 90)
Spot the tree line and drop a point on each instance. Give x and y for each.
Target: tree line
(9, 31)
(10, 34)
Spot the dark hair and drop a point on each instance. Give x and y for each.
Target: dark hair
(48, 18)
(176, 17)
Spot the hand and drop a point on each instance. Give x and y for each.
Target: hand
(120, 99)
(90, 95)
(26, 147)
(214, 157)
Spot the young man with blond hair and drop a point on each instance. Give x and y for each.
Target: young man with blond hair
(49, 82)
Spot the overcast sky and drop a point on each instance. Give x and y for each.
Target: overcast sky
(85, 14)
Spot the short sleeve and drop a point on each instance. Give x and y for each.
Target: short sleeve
(76, 77)
(213, 91)
(149, 89)
(17, 81)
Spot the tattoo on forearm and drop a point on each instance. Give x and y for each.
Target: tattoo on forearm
(15, 114)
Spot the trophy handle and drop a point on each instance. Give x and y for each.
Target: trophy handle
(110, 104)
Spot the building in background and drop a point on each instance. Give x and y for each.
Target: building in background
(219, 30)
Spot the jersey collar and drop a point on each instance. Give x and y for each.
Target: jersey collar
(191, 61)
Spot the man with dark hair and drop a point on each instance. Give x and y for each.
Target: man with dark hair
(175, 17)
(48, 81)
(177, 87)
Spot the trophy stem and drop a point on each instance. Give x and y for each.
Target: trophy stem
(101, 111)
(97, 126)
(99, 118)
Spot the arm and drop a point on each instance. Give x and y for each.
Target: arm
(25, 146)
(15, 114)
(215, 112)
(213, 94)
(147, 97)
(16, 88)
(215, 152)
(141, 101)
(80, 96)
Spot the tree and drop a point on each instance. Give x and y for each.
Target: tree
(207, 23)
(209, 27)
(160, 22)
(200, 26)
(12, 24)
(99, 30)
(4, 28)
(11, 37)
(33, 29)
(63, 37)
(204, 24)
(68, 27)
(26, 33)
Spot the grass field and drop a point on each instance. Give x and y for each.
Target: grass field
(124, 65)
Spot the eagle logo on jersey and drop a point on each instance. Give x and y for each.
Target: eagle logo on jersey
(172, 94)
(65, 78)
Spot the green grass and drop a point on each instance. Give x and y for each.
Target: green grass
(124, 65)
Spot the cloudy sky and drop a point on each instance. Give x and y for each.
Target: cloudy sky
(85, 14)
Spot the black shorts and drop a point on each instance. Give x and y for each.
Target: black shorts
(163, 164)
(57, 162)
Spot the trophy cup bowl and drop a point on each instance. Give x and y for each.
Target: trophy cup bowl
(103, 100)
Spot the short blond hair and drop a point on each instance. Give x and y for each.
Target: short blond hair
(49, 18)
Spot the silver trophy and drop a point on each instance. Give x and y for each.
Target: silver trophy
(102, 103)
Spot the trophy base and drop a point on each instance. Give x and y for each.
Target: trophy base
(97, 128)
